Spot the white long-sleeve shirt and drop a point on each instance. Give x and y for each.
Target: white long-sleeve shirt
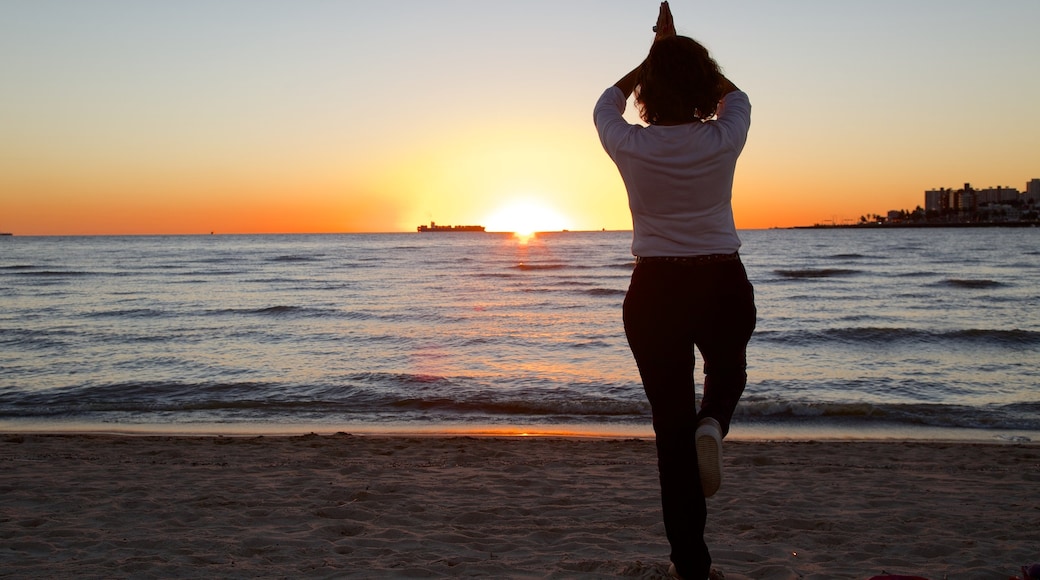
(679, 178)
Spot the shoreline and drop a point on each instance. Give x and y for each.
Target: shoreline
(345, 506)
(889, 226)
(807, 431)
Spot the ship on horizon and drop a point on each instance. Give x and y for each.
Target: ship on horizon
(433, 227)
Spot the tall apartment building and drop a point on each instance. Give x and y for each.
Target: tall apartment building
(969, 199)
(1032, 190)
(938, 199)
(996, 195)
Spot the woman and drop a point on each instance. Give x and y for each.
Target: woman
(689, 288)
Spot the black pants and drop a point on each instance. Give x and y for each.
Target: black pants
(670, 308)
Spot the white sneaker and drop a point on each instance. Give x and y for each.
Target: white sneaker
(709, 455)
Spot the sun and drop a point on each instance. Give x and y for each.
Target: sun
(525, 218)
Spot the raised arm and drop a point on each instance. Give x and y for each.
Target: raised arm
(627, 83)
(664, 28)
(728, 86)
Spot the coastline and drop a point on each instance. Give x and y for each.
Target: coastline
(905, 225)
(344, 505)
(803, 431)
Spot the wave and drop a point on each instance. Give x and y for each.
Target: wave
(373, 397)
(88, 400)
(894, 335)
(400, 379)
(777, 408)
(974, 284)
(366, 395)
(282, 310)
(1015, 336)
(591, 344)
(32, 272)
(1023, 416)
(208, 273)
(28, 339)
(573, 408)
(816, 273)
(294, 258)
(535, 267)
(279, 310)
(287, 311)
(377, 396)
(604, 292)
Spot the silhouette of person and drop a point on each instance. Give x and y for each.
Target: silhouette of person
(689, 289)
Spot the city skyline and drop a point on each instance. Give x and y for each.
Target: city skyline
(966, 205)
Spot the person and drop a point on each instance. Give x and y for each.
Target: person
(689, 287)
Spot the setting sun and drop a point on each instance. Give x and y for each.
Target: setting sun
(524, 218)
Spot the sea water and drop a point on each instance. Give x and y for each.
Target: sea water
(865, 333)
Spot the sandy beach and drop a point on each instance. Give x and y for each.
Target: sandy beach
(334, 506)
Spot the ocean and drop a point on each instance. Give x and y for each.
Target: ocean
(893, 333)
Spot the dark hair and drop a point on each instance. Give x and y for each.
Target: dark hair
(678, 82)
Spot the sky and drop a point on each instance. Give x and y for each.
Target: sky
(262, 116)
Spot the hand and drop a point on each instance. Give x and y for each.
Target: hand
(665, 27)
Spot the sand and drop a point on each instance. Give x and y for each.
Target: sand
(342, 506)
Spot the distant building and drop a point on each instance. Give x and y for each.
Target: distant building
(969, 205)
(965, 200)
(937, 199)
(1032, 191)
(996, 195)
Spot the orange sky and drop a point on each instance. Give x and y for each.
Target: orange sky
(191, 117)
